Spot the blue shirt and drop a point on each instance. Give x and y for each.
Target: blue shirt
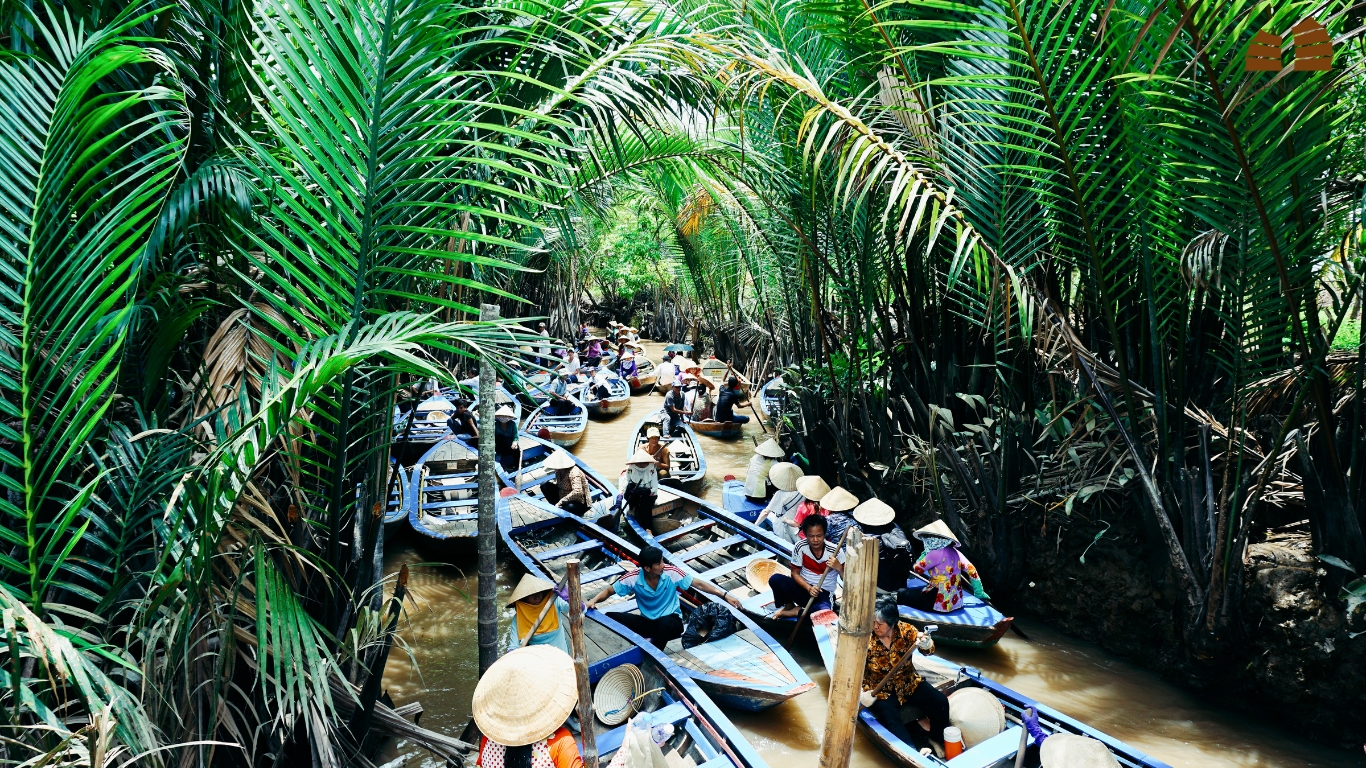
(660, 601)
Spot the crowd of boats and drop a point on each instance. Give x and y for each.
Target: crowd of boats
(434, 497)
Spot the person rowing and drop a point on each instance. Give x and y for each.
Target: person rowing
(676, 406)
(655, 588)
(568, 490)
(658, 450)
(626, 363)
(728, 399)
(521, 704)
(528, 602)
(810, 561)
(892, 639)
(945, 568)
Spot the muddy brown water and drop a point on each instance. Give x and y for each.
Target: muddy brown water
(437, 660)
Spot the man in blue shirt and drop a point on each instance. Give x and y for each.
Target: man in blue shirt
(655, 587)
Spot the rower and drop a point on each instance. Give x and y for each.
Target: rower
(891, 640)
(658, 450)
(521, 704)
(766, 454)
(505, 434)
(676, 406)
(641, 487)
(945, 568)
(783, 505)
(810, 560)
(728, 399)
(462, 420)
(527, 601)
(655, 587)
(569, 489)
(559, 396)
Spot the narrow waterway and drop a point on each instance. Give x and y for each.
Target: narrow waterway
(438, 660)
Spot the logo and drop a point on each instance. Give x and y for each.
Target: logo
(1313, 50)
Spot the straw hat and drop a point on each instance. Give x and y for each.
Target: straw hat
(874, 512)
(503, 410)
(641, 456)
(838, 500)
(559, 460)
(526, 695)
(652, 432)
(937, 528)
(1066, 750)
(528, 586)
(784, 475)
(685, 364)
(614, 700)
(758, 571)
(976, 713)
(812, 487)
(769, 448)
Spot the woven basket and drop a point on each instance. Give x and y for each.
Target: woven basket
(758, 571)
(614, 699)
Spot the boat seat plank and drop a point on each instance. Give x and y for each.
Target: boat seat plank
(990, 752)
(693, 554)
(611, 741)
(693, 527)
(734, 565)
(717, 762)
(582, 546)
(631, 655)
(601, 573)
(702, 742)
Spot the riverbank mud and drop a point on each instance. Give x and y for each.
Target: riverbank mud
(1300, 664)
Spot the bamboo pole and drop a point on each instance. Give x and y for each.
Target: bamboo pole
(855, 626)
(488, 494)
(580, 649)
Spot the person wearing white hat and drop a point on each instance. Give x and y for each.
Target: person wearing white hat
(543, 350)
(667, 372)
(892, 639)
(810, 560)
(626, 363)
(505, 432)
(521, 704)
(836, 505)
(812, 488)
(766, 454)
(640, 488)
(527, 600)
(875, 517)
(945, 568)
(1063, 750)
(784, 476)
(569, 489)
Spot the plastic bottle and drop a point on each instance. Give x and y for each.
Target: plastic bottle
(953, 743)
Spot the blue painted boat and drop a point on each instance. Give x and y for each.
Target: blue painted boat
(617, 400)
(734, 500)
(687, 463)
(528, 479)
(769, 400)
(996, 752)
(396, 508)
(563, 430)
(443, 498)
(503, 398)
(717, 547)
(747, 670)
(536, 388)
(431, 416)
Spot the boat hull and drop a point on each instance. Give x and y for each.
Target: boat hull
(641, 385)
(564, 430)
(609, 407)
(720, 430)
(443, 500)
(682, 474)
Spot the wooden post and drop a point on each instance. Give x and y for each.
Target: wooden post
(580, 649)
(488, 495)
(856, 625)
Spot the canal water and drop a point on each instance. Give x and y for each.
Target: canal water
(437, 661)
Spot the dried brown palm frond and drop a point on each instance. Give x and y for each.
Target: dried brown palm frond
(1275, 393)
(237, 355)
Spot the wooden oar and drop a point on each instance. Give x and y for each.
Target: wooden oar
(821, 585)
(901, 662)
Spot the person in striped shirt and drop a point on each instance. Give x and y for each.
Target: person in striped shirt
(655, 587)
(810, 561)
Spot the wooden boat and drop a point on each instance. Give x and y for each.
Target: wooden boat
(537, 388)
(770, 401)
(618, 398)
(504, 398)
(998, 751)
(561, 430)
(720, 430)
(528, 478)
(443, 498)
(716, 370)
(734, 501)
(747, 670)
(716, 547)
(430, 424)
(608, 359)
(646, 376)
(396, 508)
(687, 464)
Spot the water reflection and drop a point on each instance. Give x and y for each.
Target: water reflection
(1072, 676)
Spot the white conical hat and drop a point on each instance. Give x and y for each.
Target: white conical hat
(528, 586)
(812, 487)
(838, 500)
(558, 460)
(937, 528)
(526, 695)
(684, 363)
(641, 456)
(874, 512)
(784, 475)
(769, 448)
(1067, 750)
(503, 410)
(977, 713)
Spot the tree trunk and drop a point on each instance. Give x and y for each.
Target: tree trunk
(488, 494)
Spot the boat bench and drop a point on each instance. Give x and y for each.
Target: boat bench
(1000, 747)
(551, 554)
(600, 574)
(611, 741)
(734, 565)
(729, 541)
(692, 527)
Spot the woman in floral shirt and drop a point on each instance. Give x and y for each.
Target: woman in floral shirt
(891, 640)
(945, 568)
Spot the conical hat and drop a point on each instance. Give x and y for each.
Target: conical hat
(769, 448)
(641, 456)
(1066, 750)
(784, 475)
(838, 500)
(812, 487)
(528, 586)
(937, 528)
(558, 460)
(684, 363)
(503, 410)
(526, 695)
(977, 713)
(874, 512)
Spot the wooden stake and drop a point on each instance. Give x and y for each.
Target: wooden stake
(855, 626)
(488, 496)
(580, 649)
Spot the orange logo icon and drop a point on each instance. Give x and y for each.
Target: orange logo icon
(1313, 50)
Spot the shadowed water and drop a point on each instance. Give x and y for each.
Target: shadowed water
(1127, 702)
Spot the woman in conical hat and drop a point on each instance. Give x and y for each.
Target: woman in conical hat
(766, 454)
(783, 505)
(520, 706)
(945, 568)
(527, 600)
(640, 487)
(1064, 750)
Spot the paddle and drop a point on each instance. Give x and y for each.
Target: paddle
(750, 399)
(545, 609)
(819, 586)
(901, 662)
